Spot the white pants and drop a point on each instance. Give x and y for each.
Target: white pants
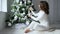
(36, 26)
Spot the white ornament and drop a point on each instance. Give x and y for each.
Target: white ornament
(22, 18)
(9, 24)
(25, 17)
(27, 6)
(23, 13)
(17, 1)
(29, 1)
(27, 22)
(20, 3)
(32, 4)
(23, 9)
(25, 2)
(17, 6)
(15, 13)
(15, 18)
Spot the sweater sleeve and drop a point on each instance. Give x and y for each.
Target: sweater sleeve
(33, 13)
(39, 16)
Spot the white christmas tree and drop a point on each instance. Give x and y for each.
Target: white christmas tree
(20, 9)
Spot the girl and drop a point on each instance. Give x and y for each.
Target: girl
(41, 16)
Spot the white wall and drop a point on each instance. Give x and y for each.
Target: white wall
(55, 13)
(5, 10)
(2, 20)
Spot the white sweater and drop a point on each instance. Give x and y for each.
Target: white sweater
(42, 17)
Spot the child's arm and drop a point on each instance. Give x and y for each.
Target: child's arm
(39, 16)
(33, 13)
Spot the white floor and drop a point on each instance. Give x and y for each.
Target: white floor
(19, 29)
(45, 32)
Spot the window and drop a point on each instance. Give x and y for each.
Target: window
(3, 5)
(0, 5)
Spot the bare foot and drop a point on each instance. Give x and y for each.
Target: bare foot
(27, 30)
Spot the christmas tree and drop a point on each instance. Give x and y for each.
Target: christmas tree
(20, 9)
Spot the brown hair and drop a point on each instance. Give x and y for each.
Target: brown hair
(44, 6)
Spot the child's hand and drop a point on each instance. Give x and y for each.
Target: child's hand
(29, 15)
